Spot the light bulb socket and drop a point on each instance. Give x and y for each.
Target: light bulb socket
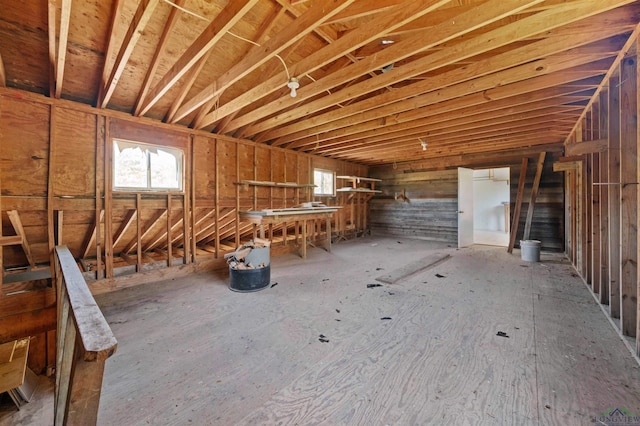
(293, 84)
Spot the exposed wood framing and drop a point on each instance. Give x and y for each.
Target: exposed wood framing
(155, 61)
(587, 147)
(518, 205)
(52, 35)
(629, 192)
(14, 218)
(135, 31)
(534, 195)
(315, 16)
(10, 240)
(604, 199)
(234, 11)
(65, 17)
(3, 74)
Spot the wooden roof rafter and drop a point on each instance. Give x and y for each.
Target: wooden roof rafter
(136, 28)
(467, 125)
(506, 107)
(212, 34)
(482, 15)
(311, 19)
(466, 94)
(330, 53)
(157, 54)
(519, 56)
(525, 27)
(65, 16)
(262, 34)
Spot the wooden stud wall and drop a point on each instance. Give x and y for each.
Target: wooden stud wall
(603, 218)
(55, 169)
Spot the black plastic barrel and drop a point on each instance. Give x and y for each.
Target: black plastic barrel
(245, 280)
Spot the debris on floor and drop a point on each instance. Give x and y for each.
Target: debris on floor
(273, 285)
(322, 338)
(239, 259)
(440, 276)
(385, 318)
(502, 334)
(373, 285)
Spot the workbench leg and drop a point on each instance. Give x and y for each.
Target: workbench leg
(328, 245)
(304, 239)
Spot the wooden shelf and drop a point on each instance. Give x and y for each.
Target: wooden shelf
(365, 190)
(357, 181)
(275, 184)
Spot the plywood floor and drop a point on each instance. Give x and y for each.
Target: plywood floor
(194, 352)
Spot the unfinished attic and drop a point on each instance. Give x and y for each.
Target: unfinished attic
(446, 191)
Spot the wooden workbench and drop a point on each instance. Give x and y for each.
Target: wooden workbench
(301, 216)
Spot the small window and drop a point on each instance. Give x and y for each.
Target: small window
(144, 167)
(325, 182)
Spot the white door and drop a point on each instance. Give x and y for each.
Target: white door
(465, 207)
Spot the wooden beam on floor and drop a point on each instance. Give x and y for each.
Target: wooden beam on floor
(518, 207)
(534, 195)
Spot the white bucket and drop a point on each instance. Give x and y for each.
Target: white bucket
(530, 250)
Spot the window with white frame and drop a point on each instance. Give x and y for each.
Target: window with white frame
(145, 167)
(325, 182)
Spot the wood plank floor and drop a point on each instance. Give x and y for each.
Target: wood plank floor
(194, 352)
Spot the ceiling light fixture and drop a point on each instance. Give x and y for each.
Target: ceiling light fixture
(293, 84)
(387, 68)
(385, 42)
(423, 143)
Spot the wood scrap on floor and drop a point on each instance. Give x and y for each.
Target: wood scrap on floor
(413, 268)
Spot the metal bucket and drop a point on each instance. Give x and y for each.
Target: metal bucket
(246, 280)
(530, 250)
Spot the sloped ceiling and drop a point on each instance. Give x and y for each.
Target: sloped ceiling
(376, 77)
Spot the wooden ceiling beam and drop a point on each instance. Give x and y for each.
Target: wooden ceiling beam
(503, 84)
(221, 24)
(491, 157)
(418, 42)
(136, 28)
(429, 131)
(65, 17)
(406, 153)
(365, 8)
(437, 140)
(324, 56)
(515, 57)
(155, 61)
(315, 16)
(515, 105)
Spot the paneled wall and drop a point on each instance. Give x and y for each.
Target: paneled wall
(430, 203)
(56, 188)
(428, 209)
